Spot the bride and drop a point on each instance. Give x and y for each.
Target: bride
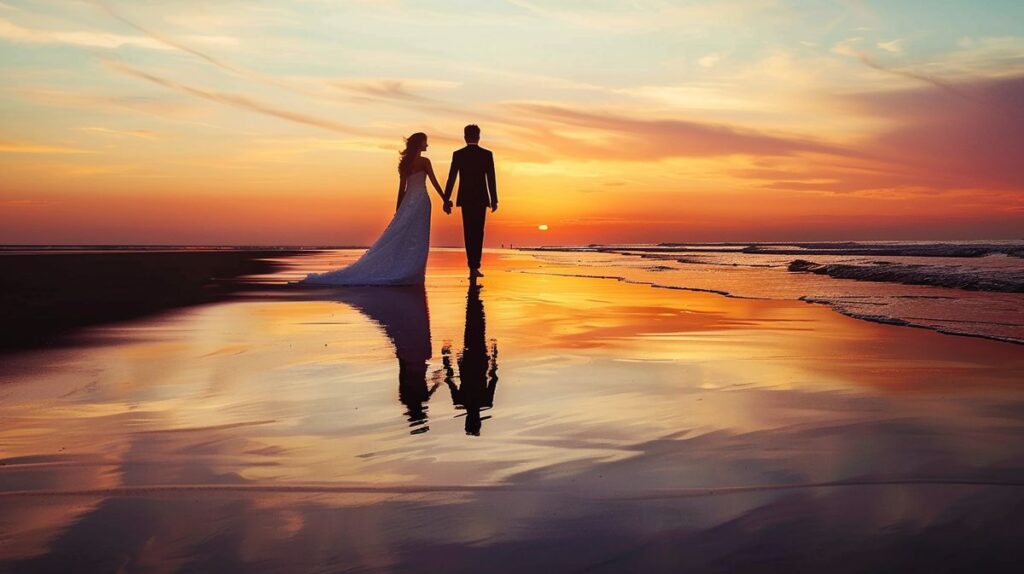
(399, 256)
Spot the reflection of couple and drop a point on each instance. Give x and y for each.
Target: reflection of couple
(399, 256)
(402, 312)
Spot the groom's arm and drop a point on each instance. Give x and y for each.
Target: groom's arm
(492, 183)
(453, 171)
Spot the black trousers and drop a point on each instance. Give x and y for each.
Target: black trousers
(473, 217)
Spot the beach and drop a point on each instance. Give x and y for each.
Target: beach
(48, 293)
(566, 414)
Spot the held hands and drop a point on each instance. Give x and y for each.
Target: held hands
(448, 207)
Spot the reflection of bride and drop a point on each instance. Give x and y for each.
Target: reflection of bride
(402, 313)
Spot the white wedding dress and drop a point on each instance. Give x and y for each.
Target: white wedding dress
(399, 256)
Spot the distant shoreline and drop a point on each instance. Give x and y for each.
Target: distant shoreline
(845, 244)
(175, 248)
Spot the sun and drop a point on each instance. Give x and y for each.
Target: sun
(543, 227)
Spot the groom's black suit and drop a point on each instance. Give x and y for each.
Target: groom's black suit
(478, 190)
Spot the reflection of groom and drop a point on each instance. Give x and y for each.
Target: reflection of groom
(478, 368)
(478, 190)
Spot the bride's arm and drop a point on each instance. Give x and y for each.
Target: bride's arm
(433, 178)
(401, 191)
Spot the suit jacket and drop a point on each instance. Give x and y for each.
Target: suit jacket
(474, 166)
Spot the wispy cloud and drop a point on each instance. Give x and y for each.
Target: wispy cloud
(146, 106)
(632, 138)
(165, 41)
(965, 137)
(893, 46)
(926, 78)
(645, 15)
(138, 133)
(32, 148)
(935, 143)
(238, 101)
(851, 47)
(710, 60)
(997, 56)
(390, 88)
(15, 33)
(25, 203)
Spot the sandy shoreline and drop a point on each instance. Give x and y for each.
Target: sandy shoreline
(49, 294)
(620, 428)
(961, 288)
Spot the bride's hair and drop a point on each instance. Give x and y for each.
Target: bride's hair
(413, 146)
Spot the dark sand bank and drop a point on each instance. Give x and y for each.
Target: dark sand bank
(46, 295)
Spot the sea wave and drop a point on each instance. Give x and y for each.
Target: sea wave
(956, 277)
(876, 313)
(889, 249)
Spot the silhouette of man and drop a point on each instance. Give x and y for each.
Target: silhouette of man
(478, 190)
(478, 369)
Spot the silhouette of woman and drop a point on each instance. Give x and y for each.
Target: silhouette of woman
(402, 313)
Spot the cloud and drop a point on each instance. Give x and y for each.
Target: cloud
(630, 138)
(852, 47)
(894, 46)
(937, 141)
(709, 61)
(694, 96)
(25, 203)
(30, 148)
(848, 47)
(967, 134)
(143, 134)
(988, 56)
(170, 107)
(15, 33)
(390, 88)
(928, 79)
(238, 101)
(648, 15)
(165, 41)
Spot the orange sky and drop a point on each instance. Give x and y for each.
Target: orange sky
(276, 123)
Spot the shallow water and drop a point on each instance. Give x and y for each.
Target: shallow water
(542, 421)
(931, 285)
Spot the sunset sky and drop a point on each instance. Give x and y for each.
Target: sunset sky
(279, 122)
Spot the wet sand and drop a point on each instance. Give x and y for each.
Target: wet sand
(48, 294)
(538, 423)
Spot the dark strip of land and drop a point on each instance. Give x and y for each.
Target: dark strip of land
(45, 296)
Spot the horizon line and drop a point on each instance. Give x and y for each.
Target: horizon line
(314, 247)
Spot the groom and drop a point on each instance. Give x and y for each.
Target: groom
(478, 190)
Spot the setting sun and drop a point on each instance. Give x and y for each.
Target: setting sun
(542, 227)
